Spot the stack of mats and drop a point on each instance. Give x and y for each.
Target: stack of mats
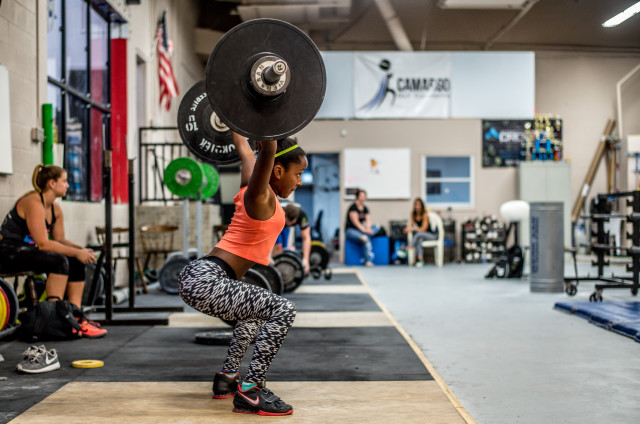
(621, 317)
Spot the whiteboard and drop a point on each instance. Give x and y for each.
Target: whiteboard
(6, 164)
(382, 173)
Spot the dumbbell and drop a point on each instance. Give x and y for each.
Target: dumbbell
(265, 80)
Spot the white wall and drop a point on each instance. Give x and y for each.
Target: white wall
(494, 186)
(581, 88)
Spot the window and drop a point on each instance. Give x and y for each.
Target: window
(78, 70)
(448, 181)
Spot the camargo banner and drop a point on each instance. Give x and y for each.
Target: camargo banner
(402, 85)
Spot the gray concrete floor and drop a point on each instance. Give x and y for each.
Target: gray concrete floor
(505, 353)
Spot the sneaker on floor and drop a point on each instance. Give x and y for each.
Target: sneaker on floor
(90, 331)
(420, 264)
(31, 350)
(261, 401)
(369, 263)
(223, 386)
(39, 360)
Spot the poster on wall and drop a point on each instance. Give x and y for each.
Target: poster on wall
(402, 85)
(502, 142)
(382, 173)
(508, 142)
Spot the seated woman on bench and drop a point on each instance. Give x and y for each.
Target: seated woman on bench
(33, 239)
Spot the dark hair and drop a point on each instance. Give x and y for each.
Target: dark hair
(291, 212)
(294, 155)
(358, 191)
(43, 174)
(413, 211)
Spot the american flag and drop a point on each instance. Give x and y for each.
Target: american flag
(168, 84)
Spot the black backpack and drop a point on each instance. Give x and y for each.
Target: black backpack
(50, 321)
(515, 262)
(509, 266)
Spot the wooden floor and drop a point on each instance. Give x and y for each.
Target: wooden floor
(419, 401)
(186, 402)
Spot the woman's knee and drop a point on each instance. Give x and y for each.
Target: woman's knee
(287, 308)
(76, 270)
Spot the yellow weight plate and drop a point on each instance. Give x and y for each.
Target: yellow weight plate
(318, 243)
(4, 310)
(87, 363)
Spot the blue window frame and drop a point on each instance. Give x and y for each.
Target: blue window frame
(78, 68)
(448, 181)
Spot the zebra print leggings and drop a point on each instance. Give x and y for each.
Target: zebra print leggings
(207, 287)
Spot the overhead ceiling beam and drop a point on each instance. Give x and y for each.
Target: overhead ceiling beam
(395, 26)
(525, 8)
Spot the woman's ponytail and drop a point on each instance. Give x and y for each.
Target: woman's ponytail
(34, 180)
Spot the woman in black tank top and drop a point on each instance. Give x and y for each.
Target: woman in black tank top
(33, 239)
(419, 227)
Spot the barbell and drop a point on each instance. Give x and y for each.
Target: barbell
(265, 79)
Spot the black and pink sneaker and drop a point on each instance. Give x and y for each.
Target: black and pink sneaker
(223, 386)
(261, 401)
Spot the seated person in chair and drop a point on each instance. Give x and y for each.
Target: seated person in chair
(358, 226)
(419, 226)
(33, 239)
(295, 215)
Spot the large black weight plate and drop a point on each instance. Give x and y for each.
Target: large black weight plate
(319, 255)
(252, 277)
(214, 337)
(236, 102)
(291, 269)
(208, 143)
(273, 276)
(292, 253)
(169, 277)
(12, 302)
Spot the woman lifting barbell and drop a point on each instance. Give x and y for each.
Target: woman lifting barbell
(211, 285)
(33, 239)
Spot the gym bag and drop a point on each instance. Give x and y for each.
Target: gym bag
(50, 321)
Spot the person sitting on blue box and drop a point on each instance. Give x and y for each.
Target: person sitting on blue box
(358, 226)
(295, 215)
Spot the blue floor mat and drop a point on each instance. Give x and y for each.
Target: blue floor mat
(621, 317)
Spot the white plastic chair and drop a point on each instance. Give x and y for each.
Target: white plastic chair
(438, 244)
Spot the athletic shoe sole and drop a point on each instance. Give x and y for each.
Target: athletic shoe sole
(224, 396)
(48, 368)
(248, 411)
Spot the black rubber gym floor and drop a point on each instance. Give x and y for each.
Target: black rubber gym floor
(164, 354)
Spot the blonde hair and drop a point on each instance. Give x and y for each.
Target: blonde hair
(43, 174)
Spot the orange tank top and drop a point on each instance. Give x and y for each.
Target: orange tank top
(249, 238)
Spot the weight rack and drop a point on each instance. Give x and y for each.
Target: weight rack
(602, 247)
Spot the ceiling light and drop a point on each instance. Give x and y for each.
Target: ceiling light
(481, 4)
(623, 16)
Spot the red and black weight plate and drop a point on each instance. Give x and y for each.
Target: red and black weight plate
(4, 310)
(208, 138)
(12, 302)
(239, 105)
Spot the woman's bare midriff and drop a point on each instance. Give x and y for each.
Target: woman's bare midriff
(239, 265)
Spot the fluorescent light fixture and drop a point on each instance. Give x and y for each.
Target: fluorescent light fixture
(623, 16)
(481, 4)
